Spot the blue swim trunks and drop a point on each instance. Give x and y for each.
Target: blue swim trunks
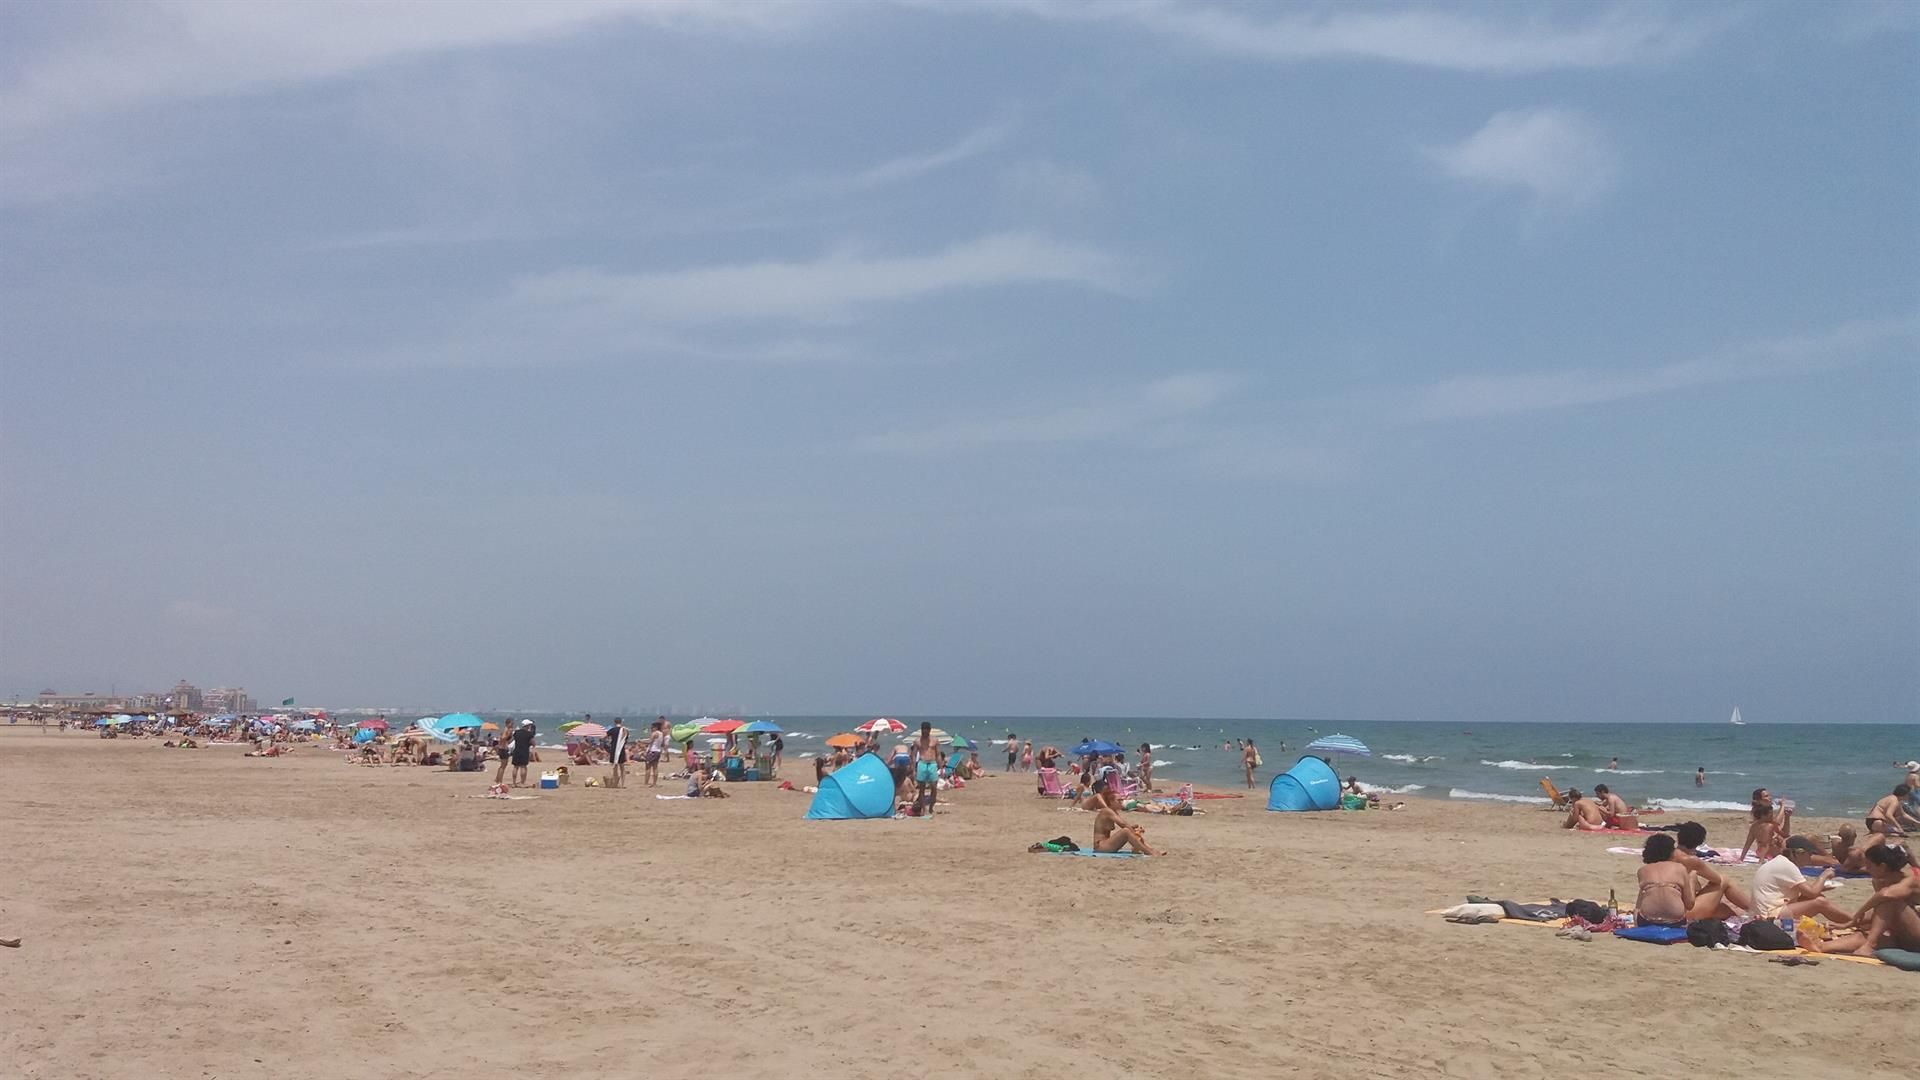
(926, 772)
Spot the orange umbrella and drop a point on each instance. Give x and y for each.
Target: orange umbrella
(489, 726)
(844, 740)
(723, 727)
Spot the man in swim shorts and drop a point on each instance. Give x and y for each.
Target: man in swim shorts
(1618, 814)
(927, 760)
(617, 753)
(1889, 816)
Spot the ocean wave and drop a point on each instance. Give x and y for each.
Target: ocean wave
(1376, 789)
(1695, 804)
(1531, 800)
(1412, 758)
(1630, 772)
(801, 735)
(1158, 764)
(1196, 748)
(1528, 765)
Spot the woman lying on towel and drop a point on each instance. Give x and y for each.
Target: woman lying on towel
(1890, 915)
(1666, 887)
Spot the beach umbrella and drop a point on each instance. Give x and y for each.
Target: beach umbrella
(883, 723)
(722, 727)
(304, 725)
(375, 724)
(961, 742)
(459, 721)
(427, 722)
(434, 733)
(491, 726)
(760, 727)
(846, 740)
(571, 724)
(219, 721)
(364, 735)
(685, 732)
(1339, 744)
(587, 731)
(1096, 746)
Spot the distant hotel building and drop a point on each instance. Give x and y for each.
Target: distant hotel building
(227, 699)
(55, 700)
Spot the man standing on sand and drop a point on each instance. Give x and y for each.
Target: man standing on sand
(522, 752)
(656, 749)
(1013, 751)
(1248, 758)
(617, 753)
(927, 760)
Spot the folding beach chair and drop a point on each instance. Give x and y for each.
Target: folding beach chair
(1050, 786)
(1554, 793)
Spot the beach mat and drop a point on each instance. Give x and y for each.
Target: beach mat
(1557, 924)
(1097, 854)
(1653, 935)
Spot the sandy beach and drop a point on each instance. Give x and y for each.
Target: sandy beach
(201, 914)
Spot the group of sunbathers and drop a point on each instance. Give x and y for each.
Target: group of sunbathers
(1678, 884)
(1605, 811)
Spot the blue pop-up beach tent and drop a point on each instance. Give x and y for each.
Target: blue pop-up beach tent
(862, 788)
(1310, 785)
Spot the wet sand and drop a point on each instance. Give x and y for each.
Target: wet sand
(201, 914)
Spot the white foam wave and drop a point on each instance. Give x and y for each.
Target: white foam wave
(1527, 765)
(1630, 772)
(1376, 789)
(801, 735)
(1412, 759)
(1531, 800)
(1695, 804)
(1157, 763)
(1196, 748)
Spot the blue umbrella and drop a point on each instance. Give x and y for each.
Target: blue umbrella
(457, 721)
(1095, 746)
(758, 727)
(1339, 744)
(364, 735)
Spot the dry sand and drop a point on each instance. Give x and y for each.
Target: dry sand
(201, 914)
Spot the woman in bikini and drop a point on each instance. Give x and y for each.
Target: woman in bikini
(1891, 915)
(1666, 887)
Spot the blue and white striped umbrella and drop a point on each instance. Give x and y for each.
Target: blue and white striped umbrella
(1339, 744)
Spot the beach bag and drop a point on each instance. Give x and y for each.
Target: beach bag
(1586, 909)
(1766, 936)
(1706, 933)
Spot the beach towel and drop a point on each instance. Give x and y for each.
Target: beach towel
(1656, 935)
(670, 798)
(1097, 854)
(1904, 959)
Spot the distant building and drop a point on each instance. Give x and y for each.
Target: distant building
(107, 702)
(226, 699)
(184, 695)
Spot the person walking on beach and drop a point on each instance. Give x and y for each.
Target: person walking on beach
(1248, 758)
(1146, 766)
(617, 753)
(502, 742)
(522, 752)
(779, 747)
(1013, 751)
(656, 749)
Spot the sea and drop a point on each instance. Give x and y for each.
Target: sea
(1834, 770)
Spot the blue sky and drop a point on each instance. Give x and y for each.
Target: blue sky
(1171, 358)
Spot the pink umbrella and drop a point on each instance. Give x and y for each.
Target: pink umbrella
(587, 731)
(375, 724)
(882, 724)
(723, 727)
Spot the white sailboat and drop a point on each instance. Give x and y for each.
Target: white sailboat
(1736, 717)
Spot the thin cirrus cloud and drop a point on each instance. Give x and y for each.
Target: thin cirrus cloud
(1417, 36)
(1472, 397)
(1557, 157)
(829, 288)
(1143, 411)
(120, 56)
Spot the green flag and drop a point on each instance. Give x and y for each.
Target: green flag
(287, 702)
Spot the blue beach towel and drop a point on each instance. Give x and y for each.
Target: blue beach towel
(1658, 935)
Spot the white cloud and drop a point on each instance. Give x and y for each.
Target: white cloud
(126, 55)
(1143, 412)
(1481, 396)
(827, 288)
(1558, 156)
(1421, 36)
(972, 145)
